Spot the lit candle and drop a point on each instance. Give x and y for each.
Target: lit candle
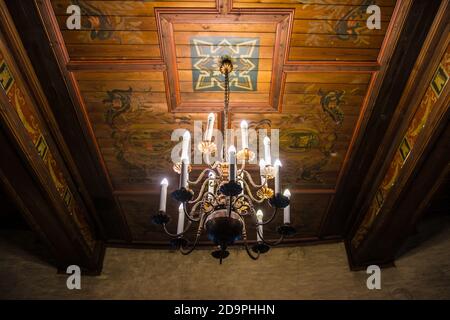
(262, 170)
(232, 161)
(244, 132)
(184, 175)
(241, 183)
(277, 166)
(259, 232)
(287, 210)
(163, 195)
(211, 183)
(186, 146)
(209, 127)
(267, 157)
(180, 228)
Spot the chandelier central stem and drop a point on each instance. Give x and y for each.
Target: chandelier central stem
(225, 68)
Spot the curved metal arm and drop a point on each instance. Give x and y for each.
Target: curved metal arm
(176, 235)
(200, 177)
(251, 194)
(190, 215)
(250, 179)
(244, 237)
(242, 169)
(268, 221)
(269, 243)
(186, 251)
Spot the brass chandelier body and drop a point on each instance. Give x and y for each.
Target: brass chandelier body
(226, 199)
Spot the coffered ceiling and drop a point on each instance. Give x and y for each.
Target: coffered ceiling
(144, 68)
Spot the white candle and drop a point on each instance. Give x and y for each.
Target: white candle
(277, 166)
(241, 183)
(209, 127)
(211, 183)
(184, 175)
(244, 133)
(259, 217)
(262, 170)
(232, 161)
(163, 195)
(186, 146)
(287, 210)
(267, 157)
(180, 228)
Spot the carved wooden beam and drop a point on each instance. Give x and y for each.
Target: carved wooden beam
(418, 132)
(37, 171)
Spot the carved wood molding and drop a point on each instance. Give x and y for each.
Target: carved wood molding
(413, 101)
(166, 18)
(49, 21)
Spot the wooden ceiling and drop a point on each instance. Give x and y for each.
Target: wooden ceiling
(312, 69)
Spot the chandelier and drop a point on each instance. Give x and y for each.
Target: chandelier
(226, 202)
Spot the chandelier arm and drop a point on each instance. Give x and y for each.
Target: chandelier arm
(250, 179)
(201, 192)
(270, 243)
(185, 251)
(176, 235)
(244, 237)
(207, 159)
(270, 220)
(251, 194)
(242, 169)
(190, 215)
(200, 177)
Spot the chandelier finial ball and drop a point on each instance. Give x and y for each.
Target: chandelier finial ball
(226, 66)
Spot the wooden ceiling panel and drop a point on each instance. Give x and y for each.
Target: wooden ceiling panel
(331, 30)
(304, 68)
(116, 29)
(131, 125)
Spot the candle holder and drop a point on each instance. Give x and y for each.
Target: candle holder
(220, 254)
(286, 230)
(245, 155)
(160, 218)
(183, 194)
(231, 188)
(207, 147)
(177, 167)
(269, 172)
(279, 201)
(260, 247)
(265, 192)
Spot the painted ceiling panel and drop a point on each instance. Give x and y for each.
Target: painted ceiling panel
(132, 113)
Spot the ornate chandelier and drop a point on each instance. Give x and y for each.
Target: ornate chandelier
(225, 202)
